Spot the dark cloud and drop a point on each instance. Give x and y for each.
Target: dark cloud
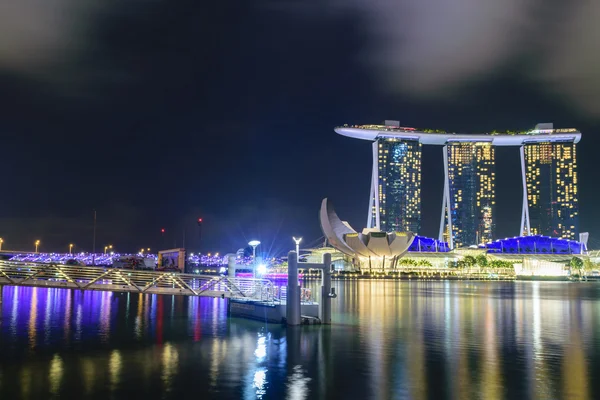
(435, 48)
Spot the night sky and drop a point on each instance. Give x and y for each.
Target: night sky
(155, 113)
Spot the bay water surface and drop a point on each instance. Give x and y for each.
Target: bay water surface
(388, 340)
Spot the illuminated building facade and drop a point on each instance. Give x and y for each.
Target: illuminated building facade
(549, 180)
(469, 193)
(535, 244)
(396, 186)
(550, 204)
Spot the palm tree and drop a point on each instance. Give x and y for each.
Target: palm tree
(482, 260)
(469, 261)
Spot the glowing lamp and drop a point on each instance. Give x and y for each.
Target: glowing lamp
(261, 269)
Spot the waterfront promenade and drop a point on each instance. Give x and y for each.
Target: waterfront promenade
(506, 274)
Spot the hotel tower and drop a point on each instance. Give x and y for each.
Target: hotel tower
(549, 176)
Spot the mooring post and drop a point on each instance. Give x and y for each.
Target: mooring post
(292, 306)
(326, 290)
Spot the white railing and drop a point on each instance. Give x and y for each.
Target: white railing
(278, 294)
(125, 280)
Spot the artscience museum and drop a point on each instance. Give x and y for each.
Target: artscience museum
(372, 248)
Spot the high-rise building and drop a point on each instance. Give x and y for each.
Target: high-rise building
(550, 177)
(549, 180)
(397, 189)
(469, 193)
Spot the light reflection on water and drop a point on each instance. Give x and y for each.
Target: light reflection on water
(56, 374)
(417, 340)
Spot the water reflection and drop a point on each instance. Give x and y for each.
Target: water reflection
(114, 369)
(297, 384)
(33, 317)
(416, 340)
(15, 304)
(138, 317)
(259, 383)
(67, 317)
(257, 374)
(105, 308)
(215, 362)
(88, 374)
(170, 359)
(78, 318)
(55, 374)
(25, 382)
(575, 370)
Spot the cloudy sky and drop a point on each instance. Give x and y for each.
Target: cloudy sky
(155, 112)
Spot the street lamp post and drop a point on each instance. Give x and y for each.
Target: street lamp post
(297, 241)
(254, 244)
(107, 247)
(37, 244)
(1, 241)
(71, 249)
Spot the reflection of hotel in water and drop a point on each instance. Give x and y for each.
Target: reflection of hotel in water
(416, 340)
(549, 176)
(453, 324)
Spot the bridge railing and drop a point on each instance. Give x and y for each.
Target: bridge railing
(278, 294)
(125, 280)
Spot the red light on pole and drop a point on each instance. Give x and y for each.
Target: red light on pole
(199, 221)
(162, 230)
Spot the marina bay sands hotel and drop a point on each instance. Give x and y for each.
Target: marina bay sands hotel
(549, 176)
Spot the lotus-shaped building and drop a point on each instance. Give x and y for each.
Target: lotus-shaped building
(371, 247)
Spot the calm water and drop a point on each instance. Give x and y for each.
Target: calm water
(390, 340)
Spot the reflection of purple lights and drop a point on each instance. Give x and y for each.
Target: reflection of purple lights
(37, 317)
(43, 316)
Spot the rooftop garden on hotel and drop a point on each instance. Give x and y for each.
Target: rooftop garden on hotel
(388, 128)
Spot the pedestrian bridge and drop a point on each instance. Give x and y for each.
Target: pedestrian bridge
(124, 280)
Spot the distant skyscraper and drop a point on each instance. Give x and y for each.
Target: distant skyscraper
(469, 193)
(396, 187)
(550, 177)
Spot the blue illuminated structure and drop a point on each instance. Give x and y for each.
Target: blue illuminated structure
(535, 244)
(206, 260)
(423, 244)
